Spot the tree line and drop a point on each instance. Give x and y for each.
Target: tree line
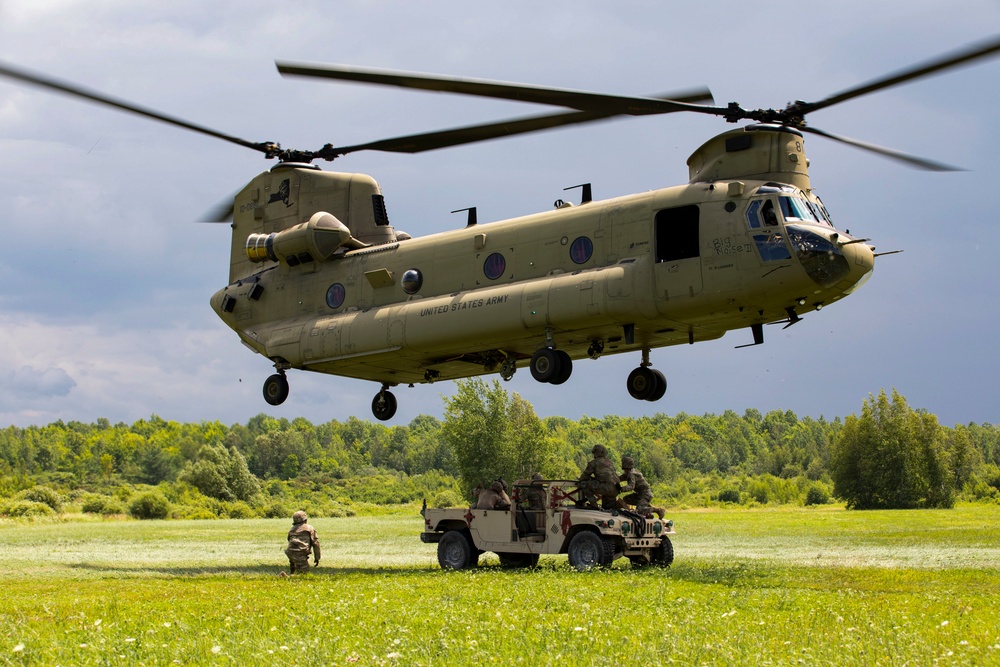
(888, 456)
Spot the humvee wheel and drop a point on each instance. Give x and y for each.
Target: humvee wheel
(588, 550)
(276, 389)
(663, 555)
(518, 560)
(455, 552)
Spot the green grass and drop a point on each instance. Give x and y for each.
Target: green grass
(762, 587)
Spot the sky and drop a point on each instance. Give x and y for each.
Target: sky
(106, 272)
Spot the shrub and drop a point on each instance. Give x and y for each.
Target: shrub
(277, 511)
(817, 495)
(729, 496)
(44, 495)
(239, 510)
(149, 505)
(188, 512)
(25, 509)
(103, 505)
(447, 499)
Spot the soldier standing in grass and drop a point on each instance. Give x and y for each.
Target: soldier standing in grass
(301, 541)
(599, 479)
(641, 495)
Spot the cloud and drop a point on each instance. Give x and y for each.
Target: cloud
(29, 382)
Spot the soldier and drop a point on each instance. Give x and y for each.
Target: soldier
(641, 495)
(494, 498)
(599, 478)
(535, 495)
(476, 492)
(301, 540)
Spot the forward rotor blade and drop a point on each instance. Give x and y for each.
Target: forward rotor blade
(911, 160)
(573, 99)
(78, 91)
(979, 50)
(427, 141)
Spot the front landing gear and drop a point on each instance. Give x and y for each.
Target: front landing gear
(551, 365)
(384, 404)
(276, 388)
(644, 383)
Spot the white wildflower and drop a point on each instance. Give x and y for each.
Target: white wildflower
(18, 648)
(216, 649)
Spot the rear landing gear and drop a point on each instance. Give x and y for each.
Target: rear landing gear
(644, 383)
(384, 404)
(276, 388)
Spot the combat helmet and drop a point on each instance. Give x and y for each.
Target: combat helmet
(627, 462)
(299, 517)
(599, 450)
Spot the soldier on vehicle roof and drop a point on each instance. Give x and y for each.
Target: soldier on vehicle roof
(302, 540)
(641, 494)
(600, 479)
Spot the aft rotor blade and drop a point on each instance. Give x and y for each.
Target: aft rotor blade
(427, 141)
(573, 99)
(979, 50)
(221, 212)
(78, 91)
(911, 160)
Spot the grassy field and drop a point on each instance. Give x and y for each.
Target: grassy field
(764, 587)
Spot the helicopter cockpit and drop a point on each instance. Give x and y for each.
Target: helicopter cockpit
(785, 221)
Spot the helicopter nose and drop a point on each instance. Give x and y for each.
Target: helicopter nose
(861, 259)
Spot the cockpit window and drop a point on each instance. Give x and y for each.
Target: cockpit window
(772, 247)
(753, 214)
(796, 208)
(768, 214)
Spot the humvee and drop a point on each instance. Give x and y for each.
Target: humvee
(547, 517)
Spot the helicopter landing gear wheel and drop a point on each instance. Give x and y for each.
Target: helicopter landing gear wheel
(565, 368)
(545, 364)
(384, 405)
(661, 387)
(645, 384)
(276, 389)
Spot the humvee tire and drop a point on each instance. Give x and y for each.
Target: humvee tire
(663, 555)
(455, 551)
(518, 560)
(588, 550)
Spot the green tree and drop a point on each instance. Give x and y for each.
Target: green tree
(221, 473)
(494, 434)
(891, 457)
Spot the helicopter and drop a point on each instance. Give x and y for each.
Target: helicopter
(321, 281)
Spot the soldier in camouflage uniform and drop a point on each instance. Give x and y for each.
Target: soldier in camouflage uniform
(534, 496)
(494, 498)
(301, 541)
(641, 495)
(600, 479)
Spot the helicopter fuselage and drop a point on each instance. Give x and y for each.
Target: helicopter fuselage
(745, 243)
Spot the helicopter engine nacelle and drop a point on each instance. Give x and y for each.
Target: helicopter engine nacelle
(312, 241)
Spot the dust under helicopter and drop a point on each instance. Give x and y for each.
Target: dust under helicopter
(320, 280)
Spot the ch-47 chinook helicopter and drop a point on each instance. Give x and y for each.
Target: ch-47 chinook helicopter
(320, 281)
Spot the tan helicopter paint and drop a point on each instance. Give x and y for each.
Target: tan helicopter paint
(462, 323)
